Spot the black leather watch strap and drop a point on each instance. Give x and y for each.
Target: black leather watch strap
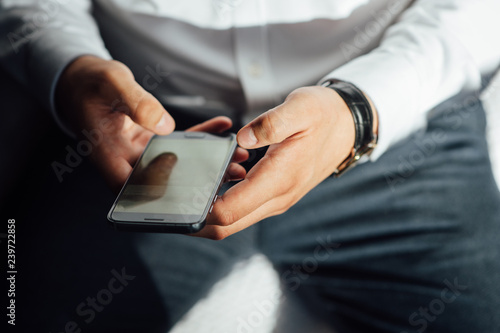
(362, 113)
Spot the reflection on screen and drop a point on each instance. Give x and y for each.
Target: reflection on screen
(175, 176)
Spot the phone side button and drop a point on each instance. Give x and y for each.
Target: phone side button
(213, 203)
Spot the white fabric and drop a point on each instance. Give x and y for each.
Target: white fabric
(212, 14)
(436, 50)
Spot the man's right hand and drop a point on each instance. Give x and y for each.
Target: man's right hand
(101, 97)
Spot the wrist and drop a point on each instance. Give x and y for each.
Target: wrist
(365, 118)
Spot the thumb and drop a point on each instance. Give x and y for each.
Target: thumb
(272, 127)
(142, 107)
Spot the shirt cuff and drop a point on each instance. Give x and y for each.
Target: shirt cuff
(50, 62)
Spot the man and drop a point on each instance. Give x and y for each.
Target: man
(319, 83)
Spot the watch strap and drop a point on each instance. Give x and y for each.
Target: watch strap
(362, 113)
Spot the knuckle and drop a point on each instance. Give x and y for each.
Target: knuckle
(268, 127)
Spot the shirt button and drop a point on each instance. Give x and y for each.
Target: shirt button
(255, 70)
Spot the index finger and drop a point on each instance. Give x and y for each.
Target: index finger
(266, 181)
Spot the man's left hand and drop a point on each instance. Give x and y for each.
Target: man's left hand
(308, 135)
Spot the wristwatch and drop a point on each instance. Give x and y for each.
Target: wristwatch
(362, 113)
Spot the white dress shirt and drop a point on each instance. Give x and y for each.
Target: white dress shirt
(242, 57)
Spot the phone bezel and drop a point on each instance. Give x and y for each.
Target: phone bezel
(172, 223)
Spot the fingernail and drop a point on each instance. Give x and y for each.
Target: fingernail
(247, 137)
(162, 125)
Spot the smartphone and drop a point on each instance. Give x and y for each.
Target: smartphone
(174, 184)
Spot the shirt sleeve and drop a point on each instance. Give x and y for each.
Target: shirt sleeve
(41, 38)
(436, 50)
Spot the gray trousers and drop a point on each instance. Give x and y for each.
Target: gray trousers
(409, 243)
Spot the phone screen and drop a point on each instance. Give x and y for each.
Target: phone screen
(175, 176)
